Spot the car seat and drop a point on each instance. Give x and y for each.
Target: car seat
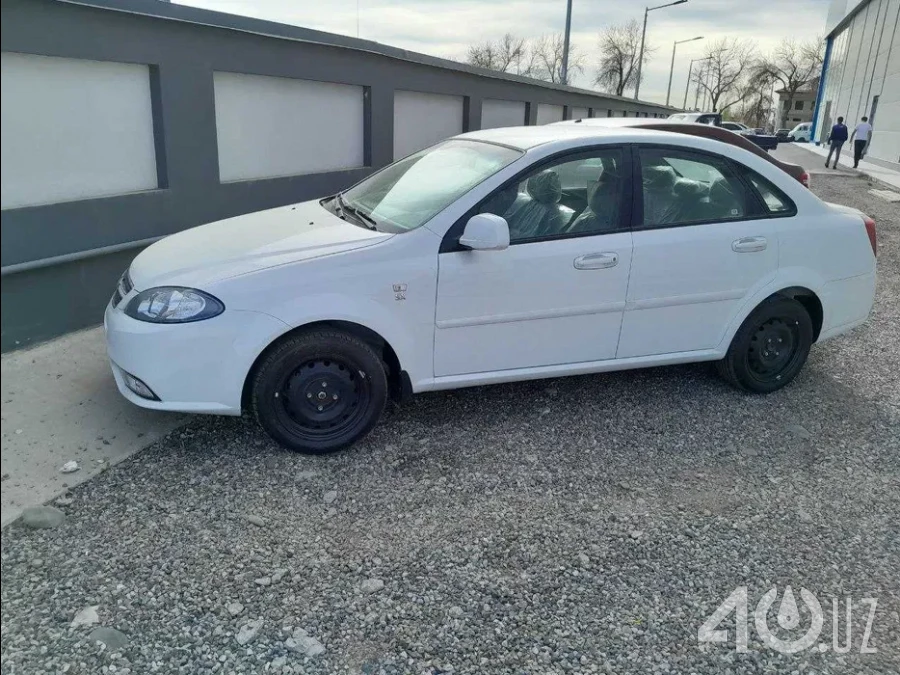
(539, 212)
(602, 213)
(724, 203)
(660, 205)
(691, 200)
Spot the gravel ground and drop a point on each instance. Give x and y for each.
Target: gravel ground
(583, 525)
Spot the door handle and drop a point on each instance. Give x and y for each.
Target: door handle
(749, 244)
(596, 261)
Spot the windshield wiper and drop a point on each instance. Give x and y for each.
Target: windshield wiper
(364, 218)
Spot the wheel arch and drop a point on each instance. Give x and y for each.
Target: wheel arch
(398, 379)
(796, 283)
(811, 303)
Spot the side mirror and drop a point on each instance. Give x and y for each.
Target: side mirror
(485, 232)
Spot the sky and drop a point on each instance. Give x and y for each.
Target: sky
(446, 28)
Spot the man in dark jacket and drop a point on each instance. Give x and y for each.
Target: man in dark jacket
(836, 140)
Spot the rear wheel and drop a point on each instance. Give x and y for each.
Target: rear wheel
(770, 347)
(320, 391)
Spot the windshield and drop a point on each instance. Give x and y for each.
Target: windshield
(406, 194)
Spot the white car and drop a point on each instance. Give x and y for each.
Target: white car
(696, 117)
(495, 256)
(800, 133)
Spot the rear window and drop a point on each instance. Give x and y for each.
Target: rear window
(777, 203)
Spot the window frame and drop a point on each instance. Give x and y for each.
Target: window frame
(450, 241)
(757, 208)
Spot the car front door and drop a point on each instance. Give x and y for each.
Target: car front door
(556, 295)
(703, 243)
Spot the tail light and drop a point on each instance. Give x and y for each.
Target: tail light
(870, 230)
(804, 178)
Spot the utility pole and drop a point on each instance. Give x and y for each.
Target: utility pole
(565, 58)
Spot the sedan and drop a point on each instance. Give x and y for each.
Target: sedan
(494, 256)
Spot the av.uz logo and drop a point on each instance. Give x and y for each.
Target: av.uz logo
(788, 618)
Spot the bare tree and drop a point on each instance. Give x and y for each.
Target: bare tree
(725, 75)
(619, 48)
(757, 107)
(509, 54)
(793, 65)
(547, 52)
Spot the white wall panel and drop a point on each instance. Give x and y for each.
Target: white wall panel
(547, 113)
(74, 129)
(496, 113)
(578, 113)
(275, 126)
(423, 119)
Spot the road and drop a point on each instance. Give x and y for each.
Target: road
(582, 525)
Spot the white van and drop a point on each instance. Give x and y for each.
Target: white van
(800, 133)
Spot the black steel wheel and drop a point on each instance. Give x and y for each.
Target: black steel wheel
(770, 347)
(320, 391)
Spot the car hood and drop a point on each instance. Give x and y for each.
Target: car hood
(248, 243)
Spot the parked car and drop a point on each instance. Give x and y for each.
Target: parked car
(702, 130)
(800, 133)
(495, 256)
(784, 135)
(697, 118)
(765, 141)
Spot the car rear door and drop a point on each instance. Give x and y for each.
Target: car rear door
(702, 243)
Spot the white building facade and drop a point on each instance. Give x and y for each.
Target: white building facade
(861, 73)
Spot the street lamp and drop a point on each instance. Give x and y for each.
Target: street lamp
(687, 85)
(647, 10)
(672, 67)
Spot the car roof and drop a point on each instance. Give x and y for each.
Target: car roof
(525, 138)
(629, 130)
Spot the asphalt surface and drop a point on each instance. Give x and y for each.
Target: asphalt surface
(582, 525)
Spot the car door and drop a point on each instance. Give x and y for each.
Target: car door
(703, 243)
(556, 295)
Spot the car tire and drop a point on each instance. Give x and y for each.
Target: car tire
(769, 348)
(319, 391)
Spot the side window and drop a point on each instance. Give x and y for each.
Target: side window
(566, 198)
(776, 201)
(680, 188)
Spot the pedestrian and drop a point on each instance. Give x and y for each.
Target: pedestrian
(861, 134)
(836, 140)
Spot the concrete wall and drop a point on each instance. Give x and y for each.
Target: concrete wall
(127, 120)
(865, 63)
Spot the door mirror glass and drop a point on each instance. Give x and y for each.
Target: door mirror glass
(485, 232)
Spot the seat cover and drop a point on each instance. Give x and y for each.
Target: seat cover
(540, 212)
(691, 200)
(660, 206)
(602, 213)
(723, 201)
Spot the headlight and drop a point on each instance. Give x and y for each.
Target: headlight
(172, 304)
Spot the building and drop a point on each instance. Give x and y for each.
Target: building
(793, 111)
(861, 74)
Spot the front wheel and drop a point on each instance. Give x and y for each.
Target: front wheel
(319, 391)
(769, 348)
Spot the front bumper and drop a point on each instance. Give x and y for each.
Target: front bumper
(191, 367)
